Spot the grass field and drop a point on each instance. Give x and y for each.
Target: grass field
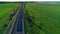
(42, 18)
(6, 9)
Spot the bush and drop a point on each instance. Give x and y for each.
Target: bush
(11, 15)
(5, 25)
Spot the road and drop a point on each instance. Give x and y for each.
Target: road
(18, 24)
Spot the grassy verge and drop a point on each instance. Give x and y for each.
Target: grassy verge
(6, 10)
(42, 18)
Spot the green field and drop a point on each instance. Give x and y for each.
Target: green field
(42, 18)
(6, 9)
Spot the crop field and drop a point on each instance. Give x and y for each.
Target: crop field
(6, 10)
(42, 18)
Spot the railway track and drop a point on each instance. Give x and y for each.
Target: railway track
(18, 24)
